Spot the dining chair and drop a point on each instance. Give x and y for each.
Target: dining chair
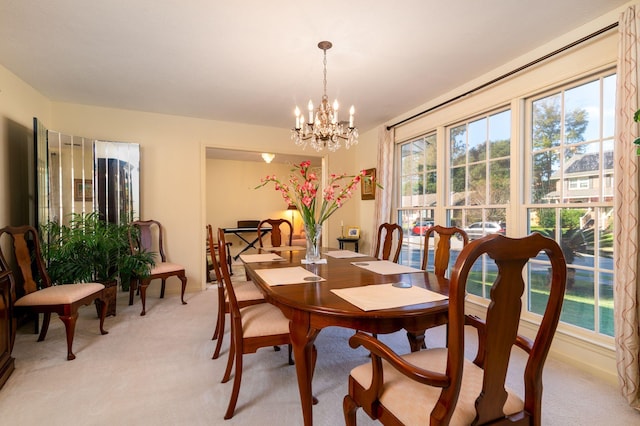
(276, 232)
(385, 241)
(34, 290)
(252, 327)
(246, 294)
(148, 235)
(442, 246)
(440, 386)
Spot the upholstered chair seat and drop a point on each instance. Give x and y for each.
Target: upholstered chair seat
(401, 396)
(59, 294)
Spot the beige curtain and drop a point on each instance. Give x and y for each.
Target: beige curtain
(384, 176)
(626, 297)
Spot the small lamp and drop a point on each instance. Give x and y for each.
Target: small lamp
(293, 208)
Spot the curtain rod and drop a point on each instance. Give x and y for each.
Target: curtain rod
(510, 73)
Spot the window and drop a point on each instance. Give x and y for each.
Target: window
(479, 181)
(570, 195)
(417, 195)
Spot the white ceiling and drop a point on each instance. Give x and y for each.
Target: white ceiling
(253, 61)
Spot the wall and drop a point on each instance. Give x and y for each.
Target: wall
(231, 195)
(19, 103)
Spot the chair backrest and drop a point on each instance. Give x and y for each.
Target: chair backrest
(498, 333)
(27, 255)
(276, 232)
(441, 246)
(385, 241)
(148, 237)
(214, 253)
(234, 309)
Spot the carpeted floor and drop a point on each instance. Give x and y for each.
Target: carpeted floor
(157, 370)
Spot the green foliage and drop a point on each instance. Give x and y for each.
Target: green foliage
(90, 249)
(636, 118)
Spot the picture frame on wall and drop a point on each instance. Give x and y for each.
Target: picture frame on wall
(82, 190)
(368, 185)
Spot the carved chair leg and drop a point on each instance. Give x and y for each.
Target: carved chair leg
(70, 326)
(290, 355)
(133, 285)
(46, 318)
(164, 282)
(216, 332)
(143, 296)
(349, 408)
(232, 353)
(236, 386)
(183, 278)
(220, 328)
(103, 314)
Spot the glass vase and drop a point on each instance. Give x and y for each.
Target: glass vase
(313, 233)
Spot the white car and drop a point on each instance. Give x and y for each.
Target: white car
(480, 229)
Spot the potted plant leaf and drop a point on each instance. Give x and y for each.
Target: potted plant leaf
(89, 249)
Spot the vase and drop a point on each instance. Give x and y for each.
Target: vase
(313, 235)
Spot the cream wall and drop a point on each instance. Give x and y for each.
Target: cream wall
(231, 195)
(19, 103)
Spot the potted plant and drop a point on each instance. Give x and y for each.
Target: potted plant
(89, 249)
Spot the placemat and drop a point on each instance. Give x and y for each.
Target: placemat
(284, 276)
(344, 254)
(384, 267)
(263, 257)
(386, 296)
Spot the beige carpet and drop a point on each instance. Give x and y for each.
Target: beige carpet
(157, 370)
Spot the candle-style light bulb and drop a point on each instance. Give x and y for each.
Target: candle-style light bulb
(297, 112)
(352, 111)
(335, 111)
(310, 106)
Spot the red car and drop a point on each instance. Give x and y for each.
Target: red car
(421, 226)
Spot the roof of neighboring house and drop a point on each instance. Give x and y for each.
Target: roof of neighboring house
(585, 164)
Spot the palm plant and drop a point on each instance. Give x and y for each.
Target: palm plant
(90, 249)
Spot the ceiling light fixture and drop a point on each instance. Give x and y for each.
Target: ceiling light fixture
(323, 128)
(268, 157)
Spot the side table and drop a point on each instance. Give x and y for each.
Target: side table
(342, 240)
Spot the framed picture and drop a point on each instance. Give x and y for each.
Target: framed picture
(353, 232)
(368, 185)
(82, 190)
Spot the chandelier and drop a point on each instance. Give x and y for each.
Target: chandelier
(324, 129)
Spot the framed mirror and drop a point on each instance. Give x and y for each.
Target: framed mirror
(82, 175)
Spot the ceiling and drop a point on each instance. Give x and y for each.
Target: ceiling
(253, 61)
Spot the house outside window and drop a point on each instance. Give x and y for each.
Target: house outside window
(569, 193)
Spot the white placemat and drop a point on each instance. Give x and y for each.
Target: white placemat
(344, 254)
(284, 276)
(263, 257)
(285, 248)
(384, 267)
(387, 296)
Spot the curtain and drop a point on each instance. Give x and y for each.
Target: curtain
(384, 177)
(627, 313)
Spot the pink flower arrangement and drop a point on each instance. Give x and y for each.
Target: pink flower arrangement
(302, 190)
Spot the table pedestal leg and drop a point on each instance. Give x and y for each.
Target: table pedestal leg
(416, 340)
(305, 354)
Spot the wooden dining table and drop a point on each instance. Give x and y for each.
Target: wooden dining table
(311, 306)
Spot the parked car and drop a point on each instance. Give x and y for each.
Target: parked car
(420, 227)
(480, 229)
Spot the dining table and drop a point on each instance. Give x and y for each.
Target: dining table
(314, 296)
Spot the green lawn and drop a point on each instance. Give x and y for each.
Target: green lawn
(578, 306)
